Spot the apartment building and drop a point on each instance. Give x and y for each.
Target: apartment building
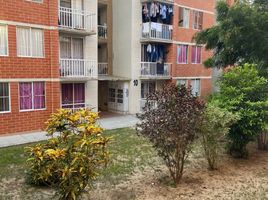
(103, 54)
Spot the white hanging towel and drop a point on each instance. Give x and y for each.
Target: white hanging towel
(146, 27)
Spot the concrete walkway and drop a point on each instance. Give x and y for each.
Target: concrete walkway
(108, 123)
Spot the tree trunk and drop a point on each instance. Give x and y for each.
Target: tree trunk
(263, 141)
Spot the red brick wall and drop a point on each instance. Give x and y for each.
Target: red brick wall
(14, 67)
(17, 121)
(186, 35)
(45, 13)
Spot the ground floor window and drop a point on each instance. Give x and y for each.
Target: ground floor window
(4, 97)
(196, 87)
(147, 88)
(32, 96)
(73, 95)
(181, 82)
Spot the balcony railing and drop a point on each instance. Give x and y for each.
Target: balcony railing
(103, 69)
(143, 101)
(162, 1)
(76, 19)
(78, 68)
(155, 70)
(156, 31)
(102, 32)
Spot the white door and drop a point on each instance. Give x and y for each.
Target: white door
(118, 96)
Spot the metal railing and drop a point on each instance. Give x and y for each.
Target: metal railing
(153, 69)
(103, 69)
(156, 31)
(102, 31)
(75, 68)
(76, 19)
(143, 102)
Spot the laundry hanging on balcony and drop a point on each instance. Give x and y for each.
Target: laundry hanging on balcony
(157, 12)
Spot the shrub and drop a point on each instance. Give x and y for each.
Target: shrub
(70, 160)
(171, 125)
(244, 92)
(215, 126)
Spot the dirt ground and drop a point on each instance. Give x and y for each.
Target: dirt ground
(235, 179)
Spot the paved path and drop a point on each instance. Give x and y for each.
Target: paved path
(107, 123)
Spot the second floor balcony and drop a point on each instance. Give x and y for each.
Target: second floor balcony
(78, 21)
(155, 70)
(103, 69)
(152, 31)
(78, 68)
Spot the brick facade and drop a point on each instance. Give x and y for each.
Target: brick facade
(183, 35)
(14, 69)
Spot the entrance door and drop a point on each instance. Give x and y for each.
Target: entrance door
(118, 96)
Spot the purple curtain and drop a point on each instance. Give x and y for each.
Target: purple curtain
(198, 57)
(25, 96)
(67, 95)
(39, 95)
(182, 54)
(79, 95)
(194, 53)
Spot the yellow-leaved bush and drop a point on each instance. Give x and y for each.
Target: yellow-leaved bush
(69, 160)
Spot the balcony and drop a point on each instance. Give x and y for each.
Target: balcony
(103, 69)
(155, 70)
(143, 102)
(102, 31)
(76, 21)
(161, 1)
(78, 68)
(157, 32)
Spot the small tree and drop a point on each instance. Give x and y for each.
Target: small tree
(171, 125)
(245, 93)
(70, 160)
(215, 126)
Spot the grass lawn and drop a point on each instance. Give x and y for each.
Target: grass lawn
(136, 172)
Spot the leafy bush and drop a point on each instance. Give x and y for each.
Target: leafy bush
(215, 126)
(70, 160)
(171, 125)
(244, 92)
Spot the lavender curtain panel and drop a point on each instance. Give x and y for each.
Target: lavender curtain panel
(67, 95)
(39, 95)
(182, 54)
(79, 95)
(196, 54)
(25, 96)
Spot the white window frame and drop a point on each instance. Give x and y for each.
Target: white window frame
(179, 82)
(196, 63)
(9, 100)
(33, 109)
(187, 53)
(6, 27)
(198, 16)
(184, 16)
(36, 1)
(73, 104)
(193, 85)
(31, 46)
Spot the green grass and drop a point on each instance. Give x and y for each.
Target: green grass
(129, 153)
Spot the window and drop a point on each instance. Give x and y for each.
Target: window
(4, 98)
(73, 95)
(184, 16)
(195, 87)
(197, 20)
(36, 1)
(32, 96)
(182, 57)
(147, 88)
(196, 54)
(181, 82)
(30, 42)
(3, 40)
